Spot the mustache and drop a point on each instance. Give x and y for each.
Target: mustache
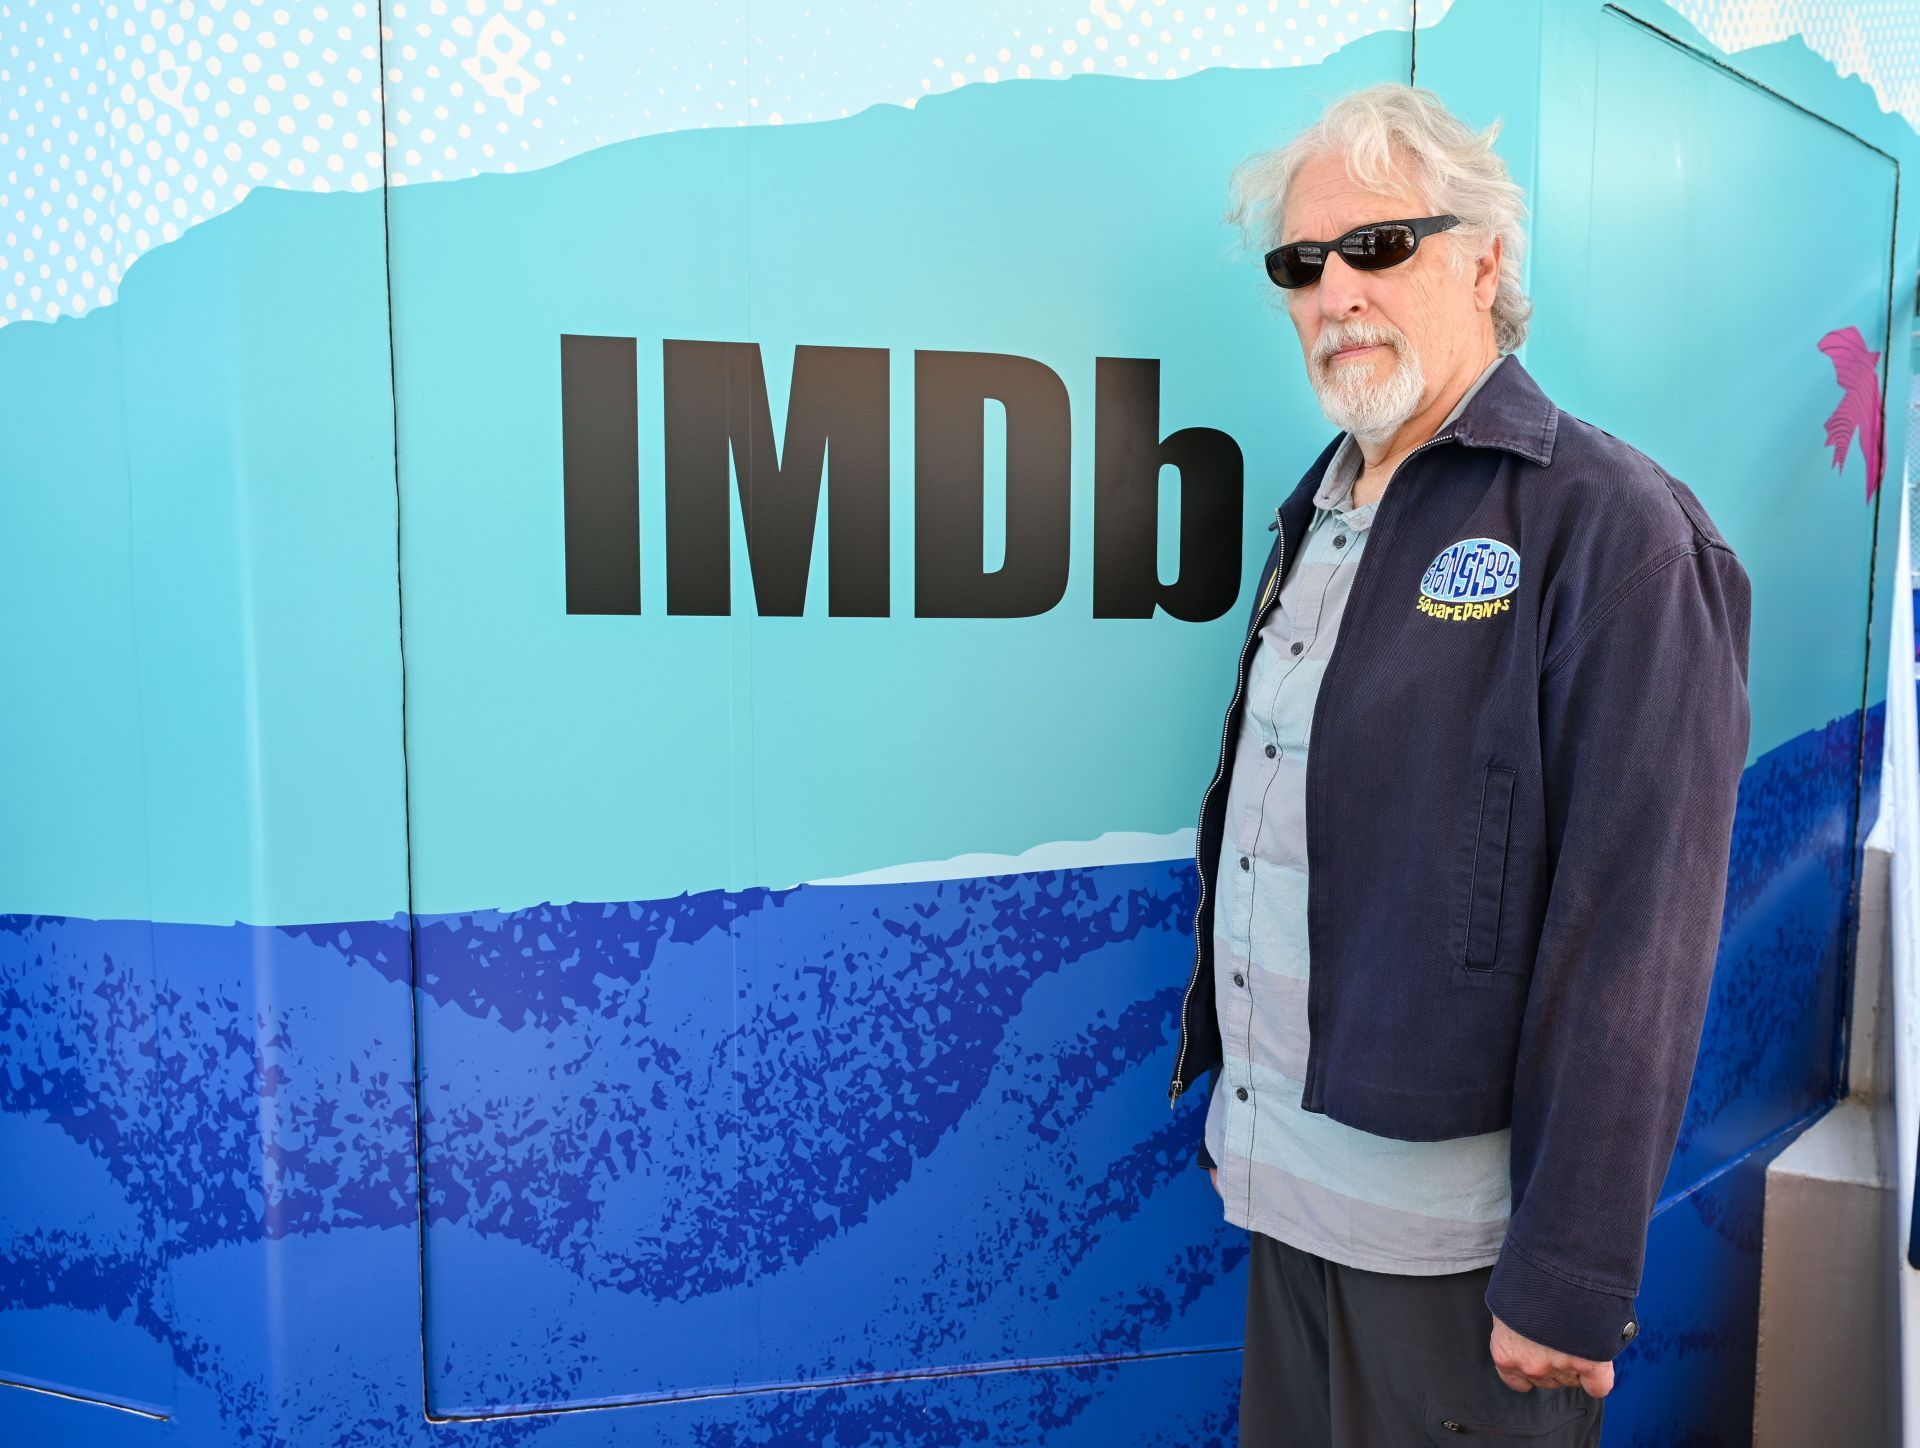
(1331, 342)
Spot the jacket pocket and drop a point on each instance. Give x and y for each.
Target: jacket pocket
(1488, 880)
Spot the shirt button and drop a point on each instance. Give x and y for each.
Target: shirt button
(1241, 1092)
(1243, 863)
(1297, 646)
(1271, 751)
(1239, 979)
(1630, 1331)
(1341, 541)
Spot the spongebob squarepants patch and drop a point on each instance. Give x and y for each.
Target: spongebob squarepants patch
(1470, 579)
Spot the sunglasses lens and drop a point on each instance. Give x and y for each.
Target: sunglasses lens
(1295, 265)
(1371, 248)
(1376, 248)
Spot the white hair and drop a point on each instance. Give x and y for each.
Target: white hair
(1390, 134)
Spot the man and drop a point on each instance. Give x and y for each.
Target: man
(1461, 877)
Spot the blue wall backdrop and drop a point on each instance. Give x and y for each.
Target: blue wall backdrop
(430, 1015)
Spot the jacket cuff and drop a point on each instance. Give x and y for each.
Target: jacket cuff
(1585, 1321)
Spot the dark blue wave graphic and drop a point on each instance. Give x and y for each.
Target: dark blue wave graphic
(719, 1142)
(1766, 1050)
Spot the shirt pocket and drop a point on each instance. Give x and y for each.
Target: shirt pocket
(1487, 877)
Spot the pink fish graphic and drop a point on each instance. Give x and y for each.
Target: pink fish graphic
(1858, 372)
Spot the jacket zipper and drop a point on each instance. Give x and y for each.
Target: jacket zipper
(1313, 732)
(1179, 1064)
(1199, 829)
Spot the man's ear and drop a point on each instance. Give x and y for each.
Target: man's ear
(1486, 276)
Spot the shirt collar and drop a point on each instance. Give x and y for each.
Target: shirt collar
(1336, 483)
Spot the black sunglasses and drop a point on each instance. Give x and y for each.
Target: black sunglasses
(1373, 247)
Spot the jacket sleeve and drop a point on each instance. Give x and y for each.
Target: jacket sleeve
(1644, 724)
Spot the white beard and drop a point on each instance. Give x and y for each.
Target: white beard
(1373, 411)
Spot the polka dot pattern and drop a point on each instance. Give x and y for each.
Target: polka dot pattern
(125, 122)
(1164, 42)
(1877, 40)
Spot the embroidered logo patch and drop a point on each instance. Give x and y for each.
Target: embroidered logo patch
(1470, 579)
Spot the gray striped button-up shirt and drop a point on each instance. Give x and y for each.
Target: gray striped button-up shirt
(1415, 1207)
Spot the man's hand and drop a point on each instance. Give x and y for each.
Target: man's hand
(1214, 1173)
(1524, 1365)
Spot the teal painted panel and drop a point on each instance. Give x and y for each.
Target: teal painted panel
(206, 551)
(1730, 235)
(73, 793)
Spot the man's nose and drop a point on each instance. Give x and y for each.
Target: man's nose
(1341, 290)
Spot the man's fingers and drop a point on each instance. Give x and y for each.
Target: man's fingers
(1515, 1380)
(1523, 1365)
(1213, 1174)
(1525, 1373)
(1553, 1375)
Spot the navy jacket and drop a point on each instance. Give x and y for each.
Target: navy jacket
(1542, 675)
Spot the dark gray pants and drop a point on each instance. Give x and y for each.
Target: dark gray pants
(1337, 1357)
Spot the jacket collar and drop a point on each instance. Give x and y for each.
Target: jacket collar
(1511, 412)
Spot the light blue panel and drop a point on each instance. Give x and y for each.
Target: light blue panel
(265, 567)
(207, 554)
(73, 790)
(552, 756)
(1801, 70)
(1685, 324)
